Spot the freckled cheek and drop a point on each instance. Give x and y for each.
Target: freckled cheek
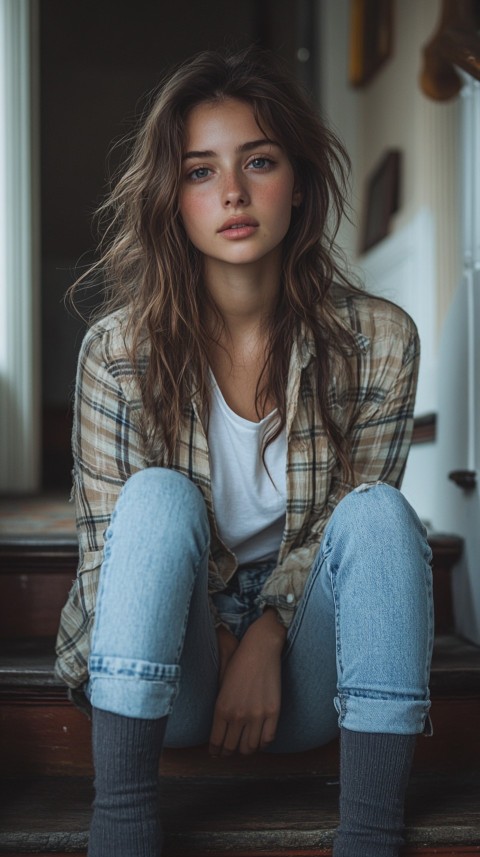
(277, 201)
(195, 213)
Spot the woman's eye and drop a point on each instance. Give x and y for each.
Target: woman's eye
(260, 163)
(198, 174)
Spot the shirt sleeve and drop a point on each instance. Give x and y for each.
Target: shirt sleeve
(108, 445)
(379, 439)
(107, 448)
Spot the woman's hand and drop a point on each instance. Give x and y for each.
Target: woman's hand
(248, 704)
(227, 645)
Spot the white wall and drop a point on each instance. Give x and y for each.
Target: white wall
(418, 266)
(392, 112)
(430, 263)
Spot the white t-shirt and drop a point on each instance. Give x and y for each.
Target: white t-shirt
(249, 504)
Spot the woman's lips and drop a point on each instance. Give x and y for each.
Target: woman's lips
(234, 233)
(238, 227)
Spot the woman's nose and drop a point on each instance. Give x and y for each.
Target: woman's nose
(235, 192)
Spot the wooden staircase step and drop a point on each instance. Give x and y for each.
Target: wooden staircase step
(28, 663)
(42, 733)
(455, 666)
(239, 816)
(37, 571)
(269, 804)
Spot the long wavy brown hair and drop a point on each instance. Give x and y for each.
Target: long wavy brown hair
(152, 268)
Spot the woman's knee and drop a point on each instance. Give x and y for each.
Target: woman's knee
(161, 482)
(162, 513)
(376, 506)
(376, 521)
(164, 493)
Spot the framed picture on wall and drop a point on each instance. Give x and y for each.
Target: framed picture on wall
(382, 199)
(371, 38)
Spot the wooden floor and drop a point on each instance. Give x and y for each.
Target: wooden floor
(239, 815)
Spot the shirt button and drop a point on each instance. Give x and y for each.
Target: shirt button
(290, 598)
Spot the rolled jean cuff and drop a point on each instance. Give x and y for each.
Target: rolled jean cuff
(391, 716)
(132, 687)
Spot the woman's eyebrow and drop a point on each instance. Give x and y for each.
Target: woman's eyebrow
(244, 147)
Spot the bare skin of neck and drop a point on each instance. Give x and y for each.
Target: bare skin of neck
(245, 297)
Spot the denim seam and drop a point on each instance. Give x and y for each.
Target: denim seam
(128, 676)
(181, 641)
(428, 582)
(382, 697)
(299, 612)
(332, 573)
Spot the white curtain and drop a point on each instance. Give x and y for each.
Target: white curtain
(19, 293)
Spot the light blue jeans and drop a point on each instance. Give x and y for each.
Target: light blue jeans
(357, 653)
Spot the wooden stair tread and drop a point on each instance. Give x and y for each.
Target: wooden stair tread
(235, 814)
(43, 542)
(455, 666)
(24, 663)
(17, 542)
(37, 552)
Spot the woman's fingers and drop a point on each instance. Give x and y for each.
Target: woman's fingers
(225, 737)
(246, 737)
(250, 738)
(269, 731)
(233, 738)
(217, 735)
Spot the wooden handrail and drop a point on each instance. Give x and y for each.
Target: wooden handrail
(455, 43)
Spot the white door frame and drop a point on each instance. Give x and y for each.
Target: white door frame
(457, 509)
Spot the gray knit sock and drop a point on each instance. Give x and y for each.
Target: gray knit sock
(126, 755)
(374, 773)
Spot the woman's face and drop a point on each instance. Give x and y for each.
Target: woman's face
(238, 186)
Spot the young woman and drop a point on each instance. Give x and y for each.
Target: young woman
(243, 416)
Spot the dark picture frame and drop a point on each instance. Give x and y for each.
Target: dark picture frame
(382, 199)
(371, 38)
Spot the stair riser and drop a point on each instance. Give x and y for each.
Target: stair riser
(44, 737)
(52, 737)
(31, 603)
(34, 587)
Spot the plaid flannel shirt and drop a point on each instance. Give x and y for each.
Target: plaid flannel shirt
(108, 445)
